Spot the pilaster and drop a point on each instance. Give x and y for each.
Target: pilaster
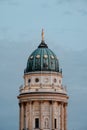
(60, 116)
(65, 116)
(19, 116)
(30, 120)
(22, 116)
(41, 116)
(52, 115)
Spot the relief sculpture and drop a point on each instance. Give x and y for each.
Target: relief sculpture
(46, 123)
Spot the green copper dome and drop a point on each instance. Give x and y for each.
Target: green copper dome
(42, 59)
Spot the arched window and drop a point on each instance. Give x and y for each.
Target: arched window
(36, 122)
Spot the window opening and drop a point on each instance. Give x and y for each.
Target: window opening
(37, 123)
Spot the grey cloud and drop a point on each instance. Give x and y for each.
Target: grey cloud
(63, 1)
(3, 0)
(14, 3)
(4, 29)
(59, 1)
(10, 2)
(67, 13)
(77, 66)
(82, 11)
(70, 1)
(45, 5)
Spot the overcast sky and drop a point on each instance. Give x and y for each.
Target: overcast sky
(65, 25)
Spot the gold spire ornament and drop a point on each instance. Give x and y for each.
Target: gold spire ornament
(42, 35)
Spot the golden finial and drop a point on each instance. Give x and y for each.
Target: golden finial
(42, 35)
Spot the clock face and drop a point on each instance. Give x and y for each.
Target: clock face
(45, 80)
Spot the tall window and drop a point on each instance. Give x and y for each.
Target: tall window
(37, 123)
(55, 123)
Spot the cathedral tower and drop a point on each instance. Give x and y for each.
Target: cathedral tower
(43, 99)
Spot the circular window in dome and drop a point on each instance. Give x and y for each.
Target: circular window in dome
(55, 80)
(45, 56)
(29, 80)
(38, 56)
(52, 57)
(31, 57)
(36, 80)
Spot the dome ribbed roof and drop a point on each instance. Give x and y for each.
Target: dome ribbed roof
(42, 59)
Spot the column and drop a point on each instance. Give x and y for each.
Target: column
(59, 107)
(19, 116)
(52, 115)
(27, 115)
(61, 116)
(22, 116)
(30, 120)
(65, 116)
(41, 117)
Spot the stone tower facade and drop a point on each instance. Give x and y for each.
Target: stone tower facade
(43, 99)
